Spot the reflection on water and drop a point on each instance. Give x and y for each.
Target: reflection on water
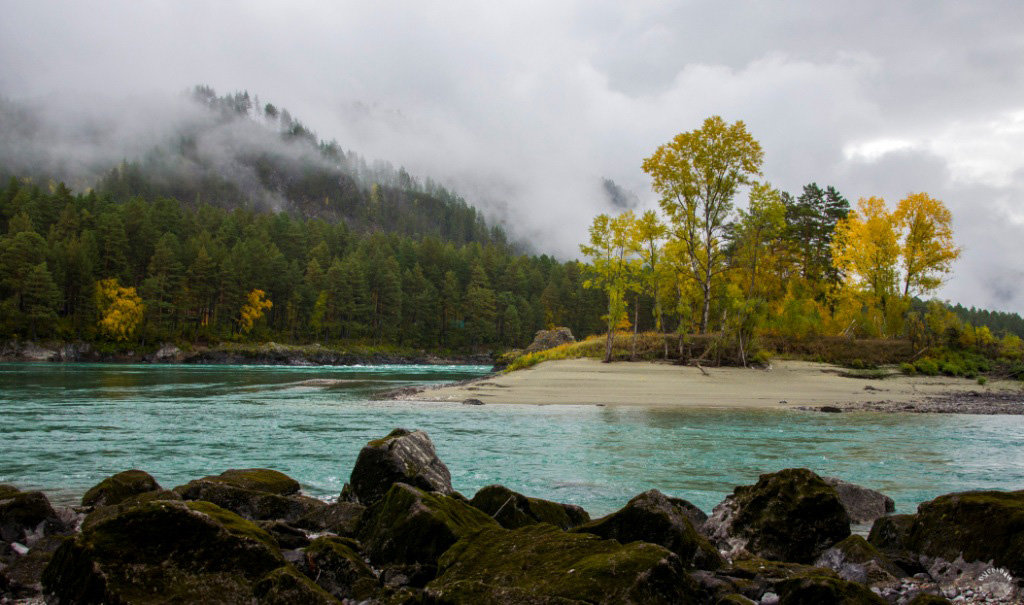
(65, 427)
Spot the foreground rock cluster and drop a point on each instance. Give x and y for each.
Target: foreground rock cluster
(400, 534)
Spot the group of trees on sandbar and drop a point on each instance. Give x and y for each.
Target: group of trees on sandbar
(791, 266)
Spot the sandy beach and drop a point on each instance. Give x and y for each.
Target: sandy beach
(787, 384)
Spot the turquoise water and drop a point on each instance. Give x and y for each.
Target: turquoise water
(65, 427)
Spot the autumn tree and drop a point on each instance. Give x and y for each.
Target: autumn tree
(648, 243)
(927, 251)
(256, 304)
(697, 175)
(121, 309)
(611, 263)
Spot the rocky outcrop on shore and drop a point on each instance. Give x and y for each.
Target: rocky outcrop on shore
(400, 534)
(230, 354)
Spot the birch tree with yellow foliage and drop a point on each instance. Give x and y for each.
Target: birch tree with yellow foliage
(612, 265)
(120, 308)
(256, 304)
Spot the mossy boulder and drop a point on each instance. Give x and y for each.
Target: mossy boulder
(402, 457)
(261, 480)
(791, 515)
(341, 518)
(979, 526)
(27, 516)
(929, 599)
(857, 560)
(163, 552)
(817, 590)
(287, 536)
(542, 564)
(653, 517)
(101, 513)
(336, 566)
(256, 494)
(413, 526)
(286, 586)
(862, 504)
(119, 487)
(513, 510)
(24, 572)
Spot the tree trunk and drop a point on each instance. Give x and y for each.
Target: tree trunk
(608, 344)
(636, 326)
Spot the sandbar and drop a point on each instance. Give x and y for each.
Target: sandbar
(785, 384)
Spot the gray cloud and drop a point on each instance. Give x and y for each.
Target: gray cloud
(524, 107)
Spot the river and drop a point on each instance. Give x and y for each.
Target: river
(64, 427)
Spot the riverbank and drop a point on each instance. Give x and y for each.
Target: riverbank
(235, 354)
(787, 384)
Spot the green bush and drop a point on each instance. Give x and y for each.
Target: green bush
(927, 366)
(908, 369)
(982, 380)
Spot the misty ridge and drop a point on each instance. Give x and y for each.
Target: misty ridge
(232, 151)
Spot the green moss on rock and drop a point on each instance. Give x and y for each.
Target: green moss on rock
(929, 599)
(337, 567)
(980, 526)
(23, 512)
(341, 518)
(260, 480)
(119, 487)
(791, 515)
(541, 564)
(653, 517)
(163, 552)
(256, 494)
(414, 526)
(818, 590)
(286, 586)
(513, 510)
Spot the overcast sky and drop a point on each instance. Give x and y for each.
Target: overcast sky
(524, 106)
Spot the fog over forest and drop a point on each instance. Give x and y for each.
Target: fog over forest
(525, 110)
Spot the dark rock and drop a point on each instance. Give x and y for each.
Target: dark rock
(856, 560)
(341, 518)
(979, 526)
(26, 516)
(549, 339)
(260, 480)
(863, 505)
(413, 575)
(119, 487)
(401, 457)
(791, 515)
(163, 552)
(256, 494)
(287, 536)
(754, 577)
(101, 513)
(929, 599)
(818, 590)
(542, 564)
(890, 533)
(734, 599)
(472, 401)
(25, 572)
(653, 517)
(513, 510)
(286, 586)
(335, 565)
(414, 526)
(830, 409)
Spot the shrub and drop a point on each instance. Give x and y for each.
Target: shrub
(927, 366)
(908, 369)
(982, 380)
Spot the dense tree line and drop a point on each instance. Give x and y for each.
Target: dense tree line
(93, 267)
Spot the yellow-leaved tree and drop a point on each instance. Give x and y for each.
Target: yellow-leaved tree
(256, 304)
(927, 250)
(612, 265)
(866, 251)
(120, 308)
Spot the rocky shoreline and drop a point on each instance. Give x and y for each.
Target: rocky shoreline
(231, 354)
(971, 402)
(400, 534)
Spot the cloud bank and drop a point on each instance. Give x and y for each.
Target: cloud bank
(525, 107)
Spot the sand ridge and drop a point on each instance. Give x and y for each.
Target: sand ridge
(786, 384)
